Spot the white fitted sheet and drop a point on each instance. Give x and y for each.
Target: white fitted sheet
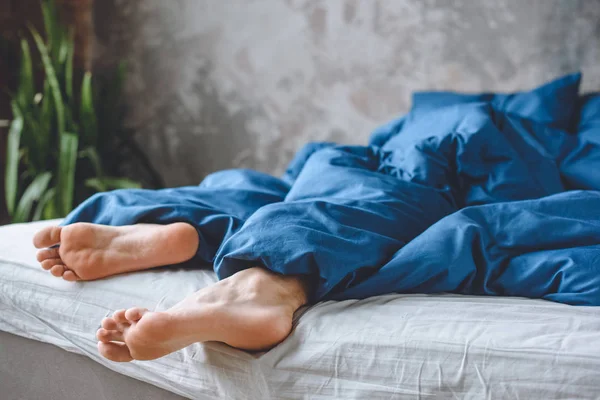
(388, 347)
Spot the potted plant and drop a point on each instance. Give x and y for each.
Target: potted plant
(65, 140)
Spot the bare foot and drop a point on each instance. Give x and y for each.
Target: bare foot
(89, 251)
(251, 310)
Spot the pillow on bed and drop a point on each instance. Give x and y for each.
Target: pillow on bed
(478, 154)
(577, 168)
(384, 132)
(553, 104)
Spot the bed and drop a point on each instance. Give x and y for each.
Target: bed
(388, 347)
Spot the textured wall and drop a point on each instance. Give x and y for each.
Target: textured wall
(244, 83)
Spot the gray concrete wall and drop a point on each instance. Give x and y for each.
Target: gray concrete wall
(215, 84)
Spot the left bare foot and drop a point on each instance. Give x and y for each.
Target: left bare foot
(90, 251)
(251, 310)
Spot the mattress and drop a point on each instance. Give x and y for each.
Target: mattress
(32, 370)
(388, 347)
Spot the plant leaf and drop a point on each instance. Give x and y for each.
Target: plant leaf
(67, 161)
(11, 184)
(51, 25)
(45, 201)
(91, 154)
(122, 183)
(96, 184)
(50, 211)
(63, 48)
(87, 114)
(52, 80)
(34, 191)
(70, 123)
(46, 120)
(108, 183)
(25, 92)
(69, 66)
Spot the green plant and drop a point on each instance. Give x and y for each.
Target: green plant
(64, 140)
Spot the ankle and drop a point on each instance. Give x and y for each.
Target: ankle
(182, 239)
(297, 286)
(287, 290)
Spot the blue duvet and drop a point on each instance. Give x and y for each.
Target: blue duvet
(486, 194)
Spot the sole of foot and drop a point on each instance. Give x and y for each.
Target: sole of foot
(84, 251)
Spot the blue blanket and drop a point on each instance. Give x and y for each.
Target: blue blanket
(486, 194)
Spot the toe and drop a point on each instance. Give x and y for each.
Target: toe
(47, 237)
(51, 262)
(109, 324)
(134, 314)
(45, 254)
(118, 352)
(57, 270)
(70, 276)
(106, 336)
(119, 317)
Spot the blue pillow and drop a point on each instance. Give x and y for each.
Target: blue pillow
(384, 132)
(580, 168)
(476, 154)
(589, 112)
(553, 104)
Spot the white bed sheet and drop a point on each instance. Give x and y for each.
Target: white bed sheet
(388, 347)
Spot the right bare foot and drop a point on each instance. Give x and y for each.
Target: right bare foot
(89, 251)
(250, 310)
